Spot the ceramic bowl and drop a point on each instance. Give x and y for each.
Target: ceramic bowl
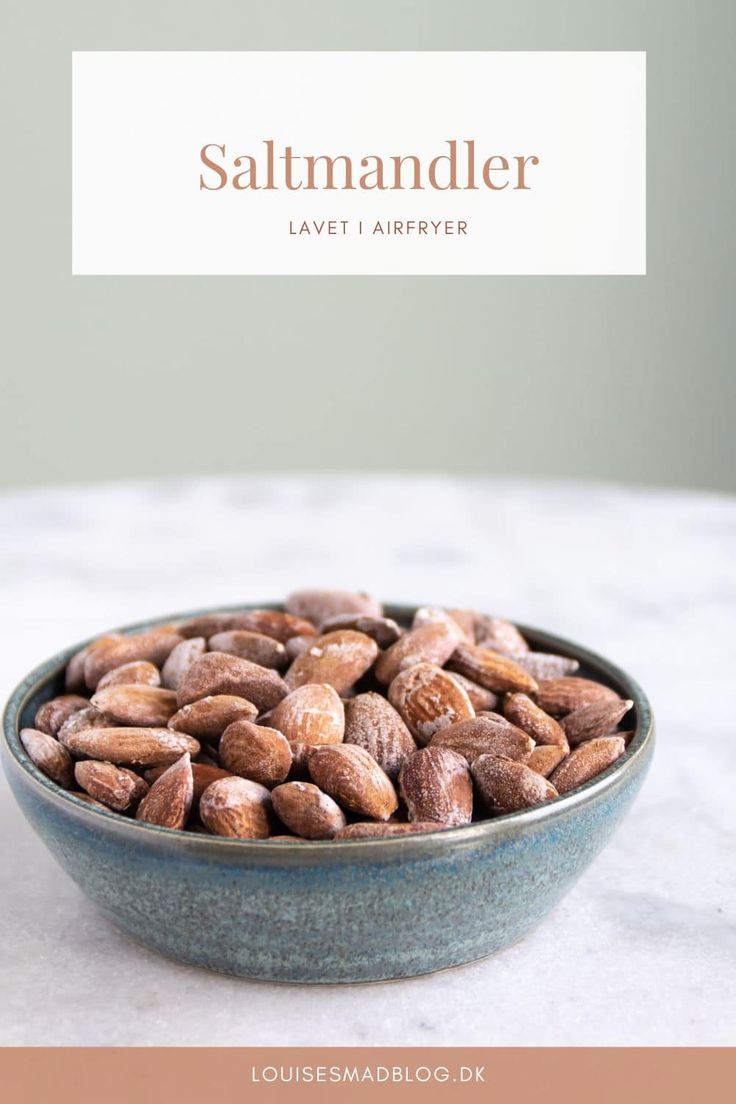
(361, 910)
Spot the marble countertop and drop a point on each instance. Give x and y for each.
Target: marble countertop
(641, 952)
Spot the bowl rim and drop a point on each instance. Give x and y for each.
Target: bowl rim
(499, 827)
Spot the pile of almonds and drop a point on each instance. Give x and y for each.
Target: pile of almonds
(326, 720)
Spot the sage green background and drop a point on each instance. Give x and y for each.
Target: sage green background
(614, 378)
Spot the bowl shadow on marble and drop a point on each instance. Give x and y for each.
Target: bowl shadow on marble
(323, 912)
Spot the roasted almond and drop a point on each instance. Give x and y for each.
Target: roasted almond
(136, 747)
(480, 698)
(236, 807)
(116, 787)
(597, 719)
(277, 624)
(52, 714)
(136, 705)
(354, 779)
(499, 635)
(256, 752)
(168, 803)
(430, 615)
(219, 673)
(429, 699)
(586, 761)
(373, 724)
(207, 718)
(153, 645)
(545, 758)
(138, 673)
(207, 624)
(318, 606)
(559, 696)
(257, 647)
(377, 829)
(431, 643)
(491, 669)
(507, 786)
(180, 659)
(51, 757)
(546, 665)
(338, 658)
(295, 645)
(203, 775)
(74, 674)
(307, 811)
(436, 786)
(487, 734)
(525, 714)
(381, 629)
(311, 714)
(88, 717)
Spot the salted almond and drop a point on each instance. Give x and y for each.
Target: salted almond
(236, 807)
(545, 758)
(138, 673)
(51, 757)
(525, 714)
(373, 724)
(354, 779)
(491, 669)
(307, 811)
(74, 673)
(507, 786)
(135, 747)
(596, 719)
(219, 673)
(432, 643)
(559, 696)
(338, 658)
(203, 775)
(180, 659)
(115, 787)
(154, 645)
(429, 699)
(480, 698)
(586, 761)
(207, 718)
(277, 624)
(311, 714)
(257, 647)
(318, 606)
(436, 786)
(429, 615)
(499, 635)
(256, 752)
(376, 829)
(168, 803)
(85, 797)
(295, 645)
(383, 630)
(89, 717)
(136, 705)
(486, 734)
(52, 714)
(206, 625)
(546, 665)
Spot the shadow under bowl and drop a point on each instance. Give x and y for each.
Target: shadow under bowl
(324, 912)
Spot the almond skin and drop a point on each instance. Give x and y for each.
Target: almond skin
(311, 714)
(255, 752)
(586, 761)
(153, 646)
(219, 673)
(115, 787)
(138, 673)
(525, 714)
(429, 700)
(597, 719)
(373, 724)
(318, 606)
(545, 758)
(180, 659)
(135, 747)
(432, 643)
(487, 734)
(383, 630)
(499, 635)
(208, 718)
(168, 803)
(375, 829)
(436, 786)
(236, 807)
(257, 647)
(136, 705)
(338, 658)
(52, 714)
(51, 757)
(354, 779)
(307, 811)
(507, 786)
(559, 696)
(491, 669)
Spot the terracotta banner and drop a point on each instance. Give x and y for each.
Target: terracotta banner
(223, 1075)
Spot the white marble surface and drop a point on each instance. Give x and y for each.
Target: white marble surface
(642, 951)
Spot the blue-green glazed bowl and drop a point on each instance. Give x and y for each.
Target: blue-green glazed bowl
(361, 910)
